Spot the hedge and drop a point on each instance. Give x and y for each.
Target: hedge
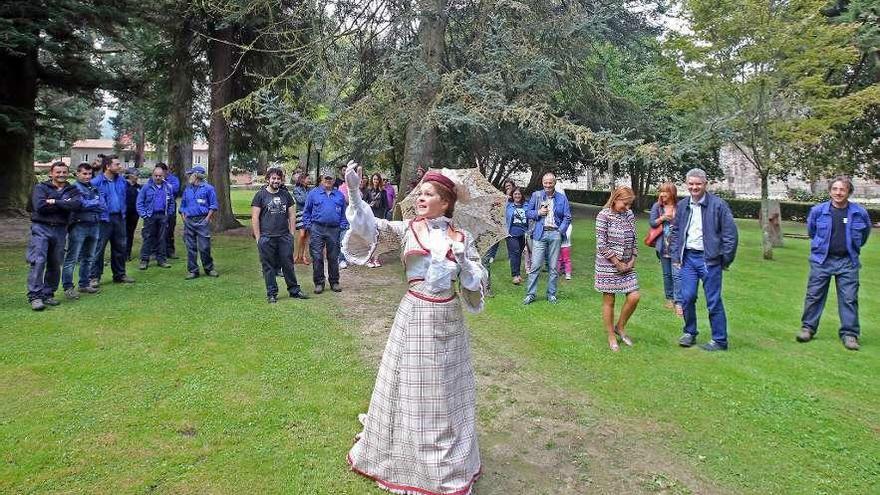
(742, 208)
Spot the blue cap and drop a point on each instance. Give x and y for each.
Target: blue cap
(198, 169)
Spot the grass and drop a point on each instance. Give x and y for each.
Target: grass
(176, 386)
(769, 416)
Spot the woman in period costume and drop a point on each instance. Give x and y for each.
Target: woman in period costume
(419, 434)
(616, 253)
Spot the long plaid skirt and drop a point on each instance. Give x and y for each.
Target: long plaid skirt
(419, 433)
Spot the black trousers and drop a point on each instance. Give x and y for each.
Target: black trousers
(169, 238)
(277, 252)
(154, 233)
(131, 223)
(324, 236)
(112, 232)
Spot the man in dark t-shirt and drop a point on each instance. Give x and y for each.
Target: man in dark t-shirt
(273, 219)
(838, 229)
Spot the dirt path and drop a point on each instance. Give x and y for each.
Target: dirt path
(535, 438)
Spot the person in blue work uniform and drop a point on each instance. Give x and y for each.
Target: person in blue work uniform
(324, 217)
(50, 206)
(83, 233)
(174, 182)
(112, 188)
(197, 206)
(155, 203)
(838, 229)
(273, 220)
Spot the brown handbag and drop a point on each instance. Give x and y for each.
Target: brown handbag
(652, 235)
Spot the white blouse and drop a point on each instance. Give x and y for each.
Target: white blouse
(435, 258)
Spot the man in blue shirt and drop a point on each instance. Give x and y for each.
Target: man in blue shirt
(703, 245)
(838, 229)
(155, 203)
(83, 234)
(551, 213)
(197, 207)
(324, 216)
(111, 186)
(174, 182)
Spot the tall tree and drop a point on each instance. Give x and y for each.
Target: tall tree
(50, 44)
(760, 70)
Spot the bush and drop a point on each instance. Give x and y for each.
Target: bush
(725, 194)
(803, 196)
(741, 208)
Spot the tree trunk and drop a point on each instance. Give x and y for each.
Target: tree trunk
(180, 125)
(18, 96)
(534, 184)
(421, 138)
(140, 139)
(220, 53)
(766, 238)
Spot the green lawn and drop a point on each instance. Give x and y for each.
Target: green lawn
(177, 386)
(769, 416)
(171, 386)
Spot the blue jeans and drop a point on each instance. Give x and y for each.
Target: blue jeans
(197, 237)
(545, 252)
(671, 280)
(694, 269)
(112, 232)
(154, 232)
(340, 256)
(847, 284)
(81, 242)
(45, 252)
(325, 236)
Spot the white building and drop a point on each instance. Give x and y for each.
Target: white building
(86, 150)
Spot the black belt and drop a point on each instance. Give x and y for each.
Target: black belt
(551, 228)
(694, 250)
(326, 224)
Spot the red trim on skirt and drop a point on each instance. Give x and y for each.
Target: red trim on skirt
(394, 486)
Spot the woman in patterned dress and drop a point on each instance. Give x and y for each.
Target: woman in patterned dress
(616, 253)
(419, 433)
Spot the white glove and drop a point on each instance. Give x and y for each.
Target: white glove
(352, 176)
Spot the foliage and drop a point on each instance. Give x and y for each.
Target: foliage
(805, 196)
(795, 210)
(759, 75)
(61, 120)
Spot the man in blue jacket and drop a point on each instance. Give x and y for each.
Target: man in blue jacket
(704, 243)
(50, 206)
(174, 182)
(111, 186)
(83, 234)
(838, 229)
(551, 213)
(324, 217)
(197, 207)
(155, 203)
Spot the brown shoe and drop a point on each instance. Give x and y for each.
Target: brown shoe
(851, 342)
(805, 335)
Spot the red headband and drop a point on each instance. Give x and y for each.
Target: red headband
(442, 180)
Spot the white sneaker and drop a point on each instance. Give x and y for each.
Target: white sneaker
(567, 276)
(343, 264)
(370, 264)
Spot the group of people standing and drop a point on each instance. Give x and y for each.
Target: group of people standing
(73, 224)
(285, 224)
(697, 241)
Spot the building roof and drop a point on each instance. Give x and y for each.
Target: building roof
(108, 144)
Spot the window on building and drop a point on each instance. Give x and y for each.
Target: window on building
(85, 157)
(198, 158)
